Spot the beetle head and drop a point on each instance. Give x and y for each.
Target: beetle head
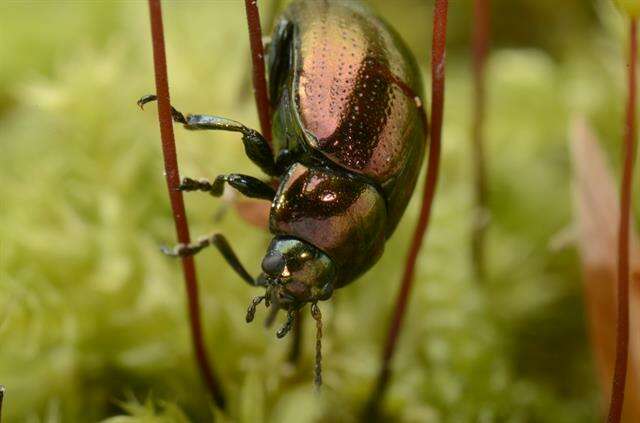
(295, 273)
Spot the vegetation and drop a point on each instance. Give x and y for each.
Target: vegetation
(93, 319)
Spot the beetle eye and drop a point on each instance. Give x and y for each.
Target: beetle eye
(273, 263)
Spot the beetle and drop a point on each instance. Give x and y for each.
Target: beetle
(349, 136)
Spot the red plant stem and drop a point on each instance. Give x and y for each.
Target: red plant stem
(480, 48)
(622, 332)
(257, 59)
(177, 203)
(437, 80)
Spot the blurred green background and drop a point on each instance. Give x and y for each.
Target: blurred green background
(92, 317)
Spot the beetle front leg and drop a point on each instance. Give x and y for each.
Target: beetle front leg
(221, 243)
(247, 185)
(175, 114)
(255, 145)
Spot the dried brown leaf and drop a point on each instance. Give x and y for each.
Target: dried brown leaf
(597, 212)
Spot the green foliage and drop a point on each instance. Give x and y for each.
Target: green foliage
(630, 7)
(92, 316)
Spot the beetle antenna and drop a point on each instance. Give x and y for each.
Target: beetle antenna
(251, 311)
(317, 316)
(291, 315)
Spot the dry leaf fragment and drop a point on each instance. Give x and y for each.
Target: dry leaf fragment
(597, 212)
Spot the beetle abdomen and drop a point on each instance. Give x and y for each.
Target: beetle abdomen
(351, 90)
(341, 215)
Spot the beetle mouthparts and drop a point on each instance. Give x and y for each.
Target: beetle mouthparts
(271, 317)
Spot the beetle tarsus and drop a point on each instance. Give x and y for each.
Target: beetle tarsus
(247, 185)
(146, 99)
(184, 250)
(176, 115)
(189, 184)
(221, 243)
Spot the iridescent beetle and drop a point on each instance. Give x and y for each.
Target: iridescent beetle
(349, 135)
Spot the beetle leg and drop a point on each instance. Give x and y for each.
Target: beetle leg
(184, 250)
(175, 114)
(247, 185)
(255, 145)
(221, 243)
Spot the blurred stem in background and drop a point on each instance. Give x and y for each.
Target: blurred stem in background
(177, 203)
(1, 400)
(481, 217)
(438, 63)
(261, 97)
(257, 60)
(630, 138)
(272, 10)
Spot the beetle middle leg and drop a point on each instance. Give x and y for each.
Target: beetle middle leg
(255, 145)
(247, 185)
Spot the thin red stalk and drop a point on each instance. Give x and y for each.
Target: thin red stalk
(622, 332)
(480, 49)
(177, 203)
(257, 59)
(437, 79)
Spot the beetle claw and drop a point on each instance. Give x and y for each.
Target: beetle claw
(146, 99)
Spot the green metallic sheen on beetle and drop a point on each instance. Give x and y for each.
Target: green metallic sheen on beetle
(349, 128)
